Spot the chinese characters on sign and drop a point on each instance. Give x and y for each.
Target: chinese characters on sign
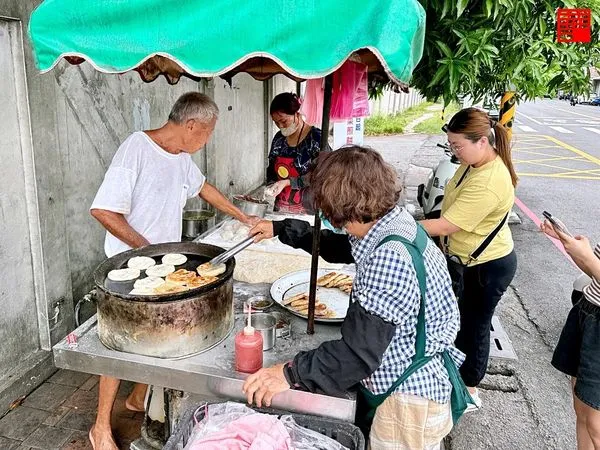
(573, 25)
(348, 132)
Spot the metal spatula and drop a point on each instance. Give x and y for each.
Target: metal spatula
(223, 257)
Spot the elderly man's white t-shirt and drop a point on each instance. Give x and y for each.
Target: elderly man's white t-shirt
(150, 187)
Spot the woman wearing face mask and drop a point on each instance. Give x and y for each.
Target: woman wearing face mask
(384, 331)
(293, 149)
(475, 233)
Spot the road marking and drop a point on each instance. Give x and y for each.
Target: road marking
(549, 155)
(570, 111)
(549, 175)
(536, 147)
(562, 130)
(552, 166)
(574, 150)
(526, 129)
(538, 222)
(593, 130)
(530, 118)
(553, 158)
(574, 172)
(588, 122)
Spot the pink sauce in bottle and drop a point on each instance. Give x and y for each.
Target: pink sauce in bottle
(248, 350)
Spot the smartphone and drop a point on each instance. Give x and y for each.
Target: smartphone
(557, 223)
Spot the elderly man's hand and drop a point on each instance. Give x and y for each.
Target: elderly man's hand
(262, 230)
(263, 385)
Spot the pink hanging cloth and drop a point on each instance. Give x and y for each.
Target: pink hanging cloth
(312, 105)
(349, 96)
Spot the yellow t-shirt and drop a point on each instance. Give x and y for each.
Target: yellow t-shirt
(477, 206)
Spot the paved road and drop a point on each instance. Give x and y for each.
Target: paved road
(557, 155)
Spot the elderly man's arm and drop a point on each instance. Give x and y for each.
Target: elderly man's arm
(116, 225)
(212, 195)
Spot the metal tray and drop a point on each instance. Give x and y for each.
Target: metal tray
(297, 282)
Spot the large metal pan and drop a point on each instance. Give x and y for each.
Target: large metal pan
(166, 326)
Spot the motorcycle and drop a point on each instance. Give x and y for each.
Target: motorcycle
(431, 194)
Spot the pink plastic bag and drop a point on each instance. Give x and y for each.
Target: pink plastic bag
(312, 105)
(349, 96)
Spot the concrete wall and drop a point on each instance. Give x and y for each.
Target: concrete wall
(78, 119)
(393, 103)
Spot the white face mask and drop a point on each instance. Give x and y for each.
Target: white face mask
(288, 131)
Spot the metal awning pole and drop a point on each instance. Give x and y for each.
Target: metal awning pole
(314, 266)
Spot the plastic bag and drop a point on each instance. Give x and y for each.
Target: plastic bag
(312, 105)
(350, 97)
(219, 415)
(305, 439)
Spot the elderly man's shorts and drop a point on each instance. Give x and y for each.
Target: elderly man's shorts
(578, 351)
(408, 422)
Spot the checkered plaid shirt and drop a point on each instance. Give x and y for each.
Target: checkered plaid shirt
(386, 285)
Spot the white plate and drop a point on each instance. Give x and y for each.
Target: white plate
(298, 282)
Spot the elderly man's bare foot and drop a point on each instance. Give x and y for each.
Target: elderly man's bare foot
(135, 401)
(133, 405)
(102, 439)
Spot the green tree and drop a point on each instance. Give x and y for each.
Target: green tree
(485, 47)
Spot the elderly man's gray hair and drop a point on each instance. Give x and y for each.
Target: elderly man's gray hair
(194, 106)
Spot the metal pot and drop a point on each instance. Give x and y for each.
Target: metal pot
(166, 326)
(265, 323)
(197, 221)
(250, 206)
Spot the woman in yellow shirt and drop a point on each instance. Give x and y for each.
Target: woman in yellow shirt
(475, 233)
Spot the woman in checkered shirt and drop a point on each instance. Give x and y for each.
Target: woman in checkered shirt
(379, 332)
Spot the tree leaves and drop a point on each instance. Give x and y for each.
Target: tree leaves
(479, 48)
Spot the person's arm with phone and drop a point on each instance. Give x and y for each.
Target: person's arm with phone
(578, 248)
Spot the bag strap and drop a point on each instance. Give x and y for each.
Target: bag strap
(415, 249)
(488, 240)
(460, 180)
(462, 177)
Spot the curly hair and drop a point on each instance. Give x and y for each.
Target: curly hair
(354, 184)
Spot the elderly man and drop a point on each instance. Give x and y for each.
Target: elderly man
(140, 202)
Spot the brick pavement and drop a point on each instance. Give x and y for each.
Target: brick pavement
(59, 414)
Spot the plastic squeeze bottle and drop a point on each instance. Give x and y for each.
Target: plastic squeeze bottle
(248, 349)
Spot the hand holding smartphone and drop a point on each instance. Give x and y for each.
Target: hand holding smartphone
(557, 224)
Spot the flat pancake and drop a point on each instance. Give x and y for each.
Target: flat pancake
(169, 288)
(208, 270)
(174, 259)
(141, 262)
(181, 276)
(123, 274)
(200, 281)
(148, 283)
(160, 270)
